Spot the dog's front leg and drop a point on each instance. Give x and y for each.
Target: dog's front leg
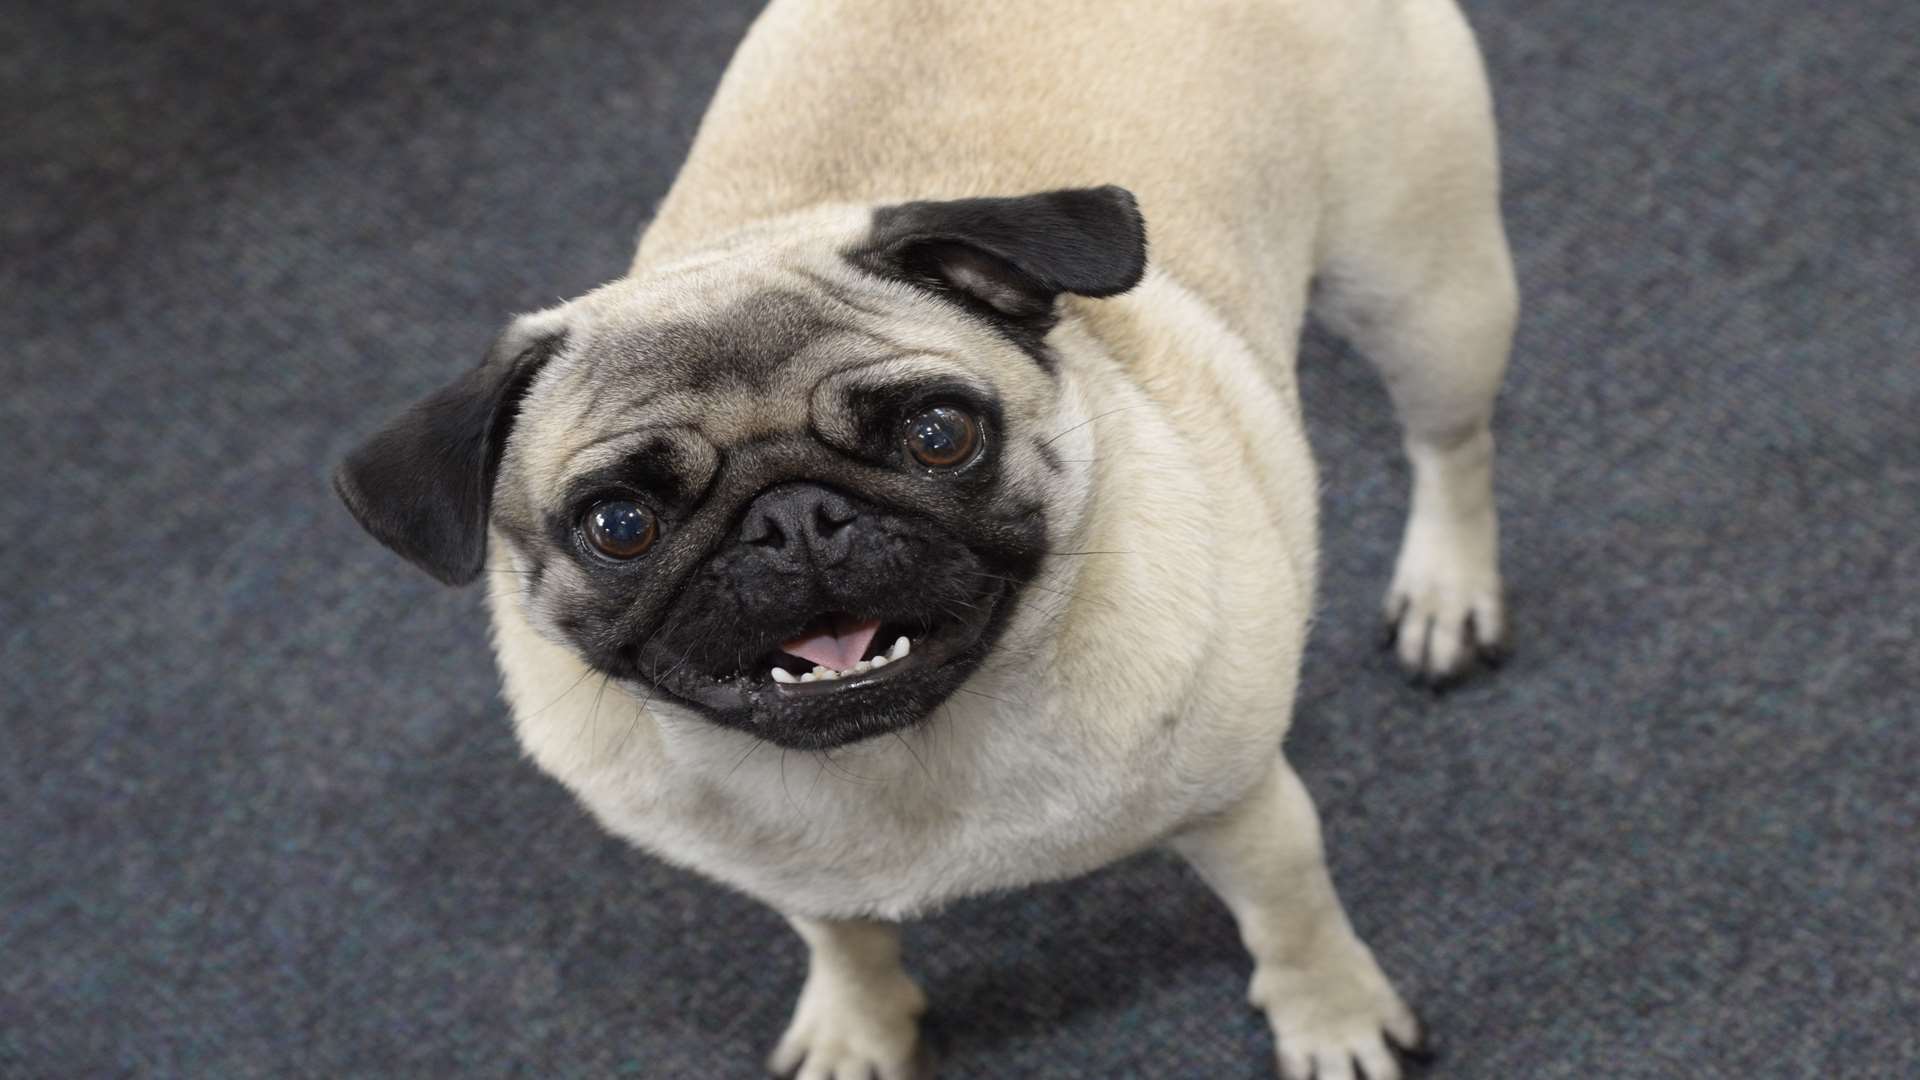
(859, 1012)
(1333, 1011)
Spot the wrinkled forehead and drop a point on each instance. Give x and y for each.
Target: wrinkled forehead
(694, 363)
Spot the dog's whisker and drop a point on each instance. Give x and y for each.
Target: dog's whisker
(841, 771)
(788, 792)
(989, 697)
(1030, 584)
(758, 742)
(593, 714)
(824, 763)
(916, 756)
(571, 687)
(1110, 412)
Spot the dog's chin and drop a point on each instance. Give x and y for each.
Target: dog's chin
(912, 667)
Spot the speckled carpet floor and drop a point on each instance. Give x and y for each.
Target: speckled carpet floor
(260, 810)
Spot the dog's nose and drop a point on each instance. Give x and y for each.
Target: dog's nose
(793, 521)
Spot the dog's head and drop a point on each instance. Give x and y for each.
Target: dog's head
(797, 483)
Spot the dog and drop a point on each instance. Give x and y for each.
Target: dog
(902, 455)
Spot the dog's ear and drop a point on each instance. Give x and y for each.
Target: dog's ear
(422, 484)
(1014, 256)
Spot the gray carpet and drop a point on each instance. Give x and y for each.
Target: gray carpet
(260, 811)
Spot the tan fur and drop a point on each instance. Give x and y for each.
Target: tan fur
(1268, 142)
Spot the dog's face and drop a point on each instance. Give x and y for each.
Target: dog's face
(798, 483)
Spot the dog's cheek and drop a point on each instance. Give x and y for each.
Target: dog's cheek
(582, 615)
(539, 583)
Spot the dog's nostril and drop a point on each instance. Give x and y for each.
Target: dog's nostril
(762, 531)
(831, 518)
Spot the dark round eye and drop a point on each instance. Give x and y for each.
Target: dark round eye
(942, 437)
(621, 528)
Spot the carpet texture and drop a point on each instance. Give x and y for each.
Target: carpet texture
(260, 810)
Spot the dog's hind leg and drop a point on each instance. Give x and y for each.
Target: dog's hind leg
(1416, 274)
(859, 1012)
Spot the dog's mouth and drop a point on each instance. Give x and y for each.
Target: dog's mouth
(837, 675)
(838, 648)
(839, 652)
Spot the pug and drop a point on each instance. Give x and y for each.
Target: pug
(906, 524)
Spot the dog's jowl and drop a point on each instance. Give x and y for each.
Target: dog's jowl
(944, 434)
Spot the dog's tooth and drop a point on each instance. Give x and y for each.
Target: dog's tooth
(781, 674)
(821, 672)
(879, 661)
(809, 677)
(862, 667)
(901, 647)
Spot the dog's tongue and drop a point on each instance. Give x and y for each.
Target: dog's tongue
(836, 641)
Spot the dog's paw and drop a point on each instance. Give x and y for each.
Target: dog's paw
(853, 1030)
(1339, 1019)
(1444, 611)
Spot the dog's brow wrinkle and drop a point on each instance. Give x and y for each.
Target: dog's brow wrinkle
(566, 466)
(839, 294)
(895, 347)
(874, 363)
(748, 342)
(638, 429)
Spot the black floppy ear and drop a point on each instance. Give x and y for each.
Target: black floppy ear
(422, 484)
(1014, 256)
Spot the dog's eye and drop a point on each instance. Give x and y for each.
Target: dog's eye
(942, 437)
(621, 528)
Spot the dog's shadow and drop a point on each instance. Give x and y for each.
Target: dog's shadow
(1053, 957)
(1110, 962)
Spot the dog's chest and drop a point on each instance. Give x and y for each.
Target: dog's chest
(889, 827)
(986, 794)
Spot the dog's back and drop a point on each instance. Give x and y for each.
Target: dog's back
(1232, 122)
